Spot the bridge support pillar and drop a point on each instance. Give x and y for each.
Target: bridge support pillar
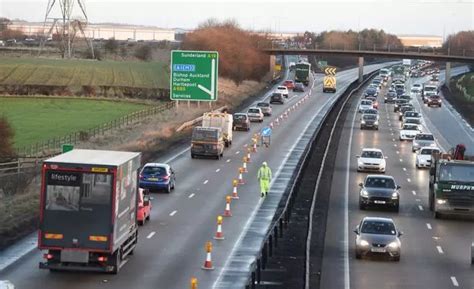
(448, 74)
(272, 65)
(361, 69)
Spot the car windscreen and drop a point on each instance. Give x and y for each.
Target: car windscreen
(428, 151)
(371, 111)
(204, 135)
(366, 102)
(457, 172)
(424, 137)
(240, 117)
(253, 110)
(374, 182)
(369, 116)
(372, 154)
(430, 88)
(400, 86)
(276, 95)
(378, 227)
(412, 114)
(413, 120)
(73, 191)
(410, 127)
(263, 104)
(154, 170)
(434, 96)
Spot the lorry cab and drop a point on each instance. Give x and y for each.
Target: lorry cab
(144, 206)
(207, 142)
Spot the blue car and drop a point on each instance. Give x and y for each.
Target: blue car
(156, 176)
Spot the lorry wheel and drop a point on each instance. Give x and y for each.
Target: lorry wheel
(117, 258)
(192, 156)
(140, 223)
(436, 215)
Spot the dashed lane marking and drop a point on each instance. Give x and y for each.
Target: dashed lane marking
(173, 213)
(409, 180)
(228, 161)
(405, 169)
(428, 225)
(206, 181)
(455, 281)
(420, 207)
(218, 170)
(440, 250)
(191, 196)
(237, 152)
(413, 192)
(151, 235)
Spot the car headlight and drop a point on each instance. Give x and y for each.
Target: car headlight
(394, 195)
(376, 122)
(441, 201)
(432, 145)
(393, 245)
(364, 243)
(362, 122)
(364, 193)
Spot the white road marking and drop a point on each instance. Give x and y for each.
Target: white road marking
(123, 263)
(206, 181)
(405, 169)
(440, 250)
(228, 161)
(418, 200)
(151, 235)
(218, 170)
(173, 213)
(428, 225)
(237, 152)
(420, 207)
(191, 196)
(392, 133)
(401, 160)
(398, 152)
(413, 192)
(409, 180)
(393, 139)
(395, 145)
(455, 281)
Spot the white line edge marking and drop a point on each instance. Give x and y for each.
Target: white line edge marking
(420, 207)
(151, 235)
(428, 225)
(192, 195)
(173, 213)
(440, 250)
(455, 281)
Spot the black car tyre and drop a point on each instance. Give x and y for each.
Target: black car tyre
(358, 255)
(396, 258)
(396, 208)
(361, 206)
(168, 189)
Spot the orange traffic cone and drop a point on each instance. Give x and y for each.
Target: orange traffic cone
(227, 212)
(271, 125)
(208, 262)
(219, 234)
(235, 183)
(194, 283)
(241, 178)
(245, 165)
(248, 155)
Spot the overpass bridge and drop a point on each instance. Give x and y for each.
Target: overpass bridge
(440, 55)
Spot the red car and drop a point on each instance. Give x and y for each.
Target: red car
(144, 206)
(290, 84)
(434, 100)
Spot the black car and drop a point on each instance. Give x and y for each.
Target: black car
(379, 190)
(299, 86)
(371, 92)
(390, 97)
(277, 98)
(398, 104)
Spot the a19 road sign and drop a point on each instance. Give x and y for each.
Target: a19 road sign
(194, 75)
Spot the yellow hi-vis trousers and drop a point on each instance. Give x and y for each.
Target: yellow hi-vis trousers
(264, 186)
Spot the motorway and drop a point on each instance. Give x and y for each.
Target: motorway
(171, 246)
(435, 253)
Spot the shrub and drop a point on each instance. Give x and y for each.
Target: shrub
(143, 52)
(6, 139)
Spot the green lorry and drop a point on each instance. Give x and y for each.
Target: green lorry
(302, 72)
(451, 187)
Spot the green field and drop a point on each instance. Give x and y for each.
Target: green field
(40, 119)
(61, 72)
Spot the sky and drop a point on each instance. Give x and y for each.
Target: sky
(421, 17)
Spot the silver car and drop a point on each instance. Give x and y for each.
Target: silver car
(423, 140)
(255, 114)
(377, 236)
(266, 108)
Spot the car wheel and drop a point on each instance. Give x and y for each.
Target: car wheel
(174, 185)
(140, 223)
(436, 215)
(361, 206)
(396, 258)
(192, 156)
(396, 208)
(148, 217)
(358, 255)
(248, 128)
(168, 189)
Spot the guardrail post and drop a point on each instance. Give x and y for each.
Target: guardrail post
(253, 280)
(281, 228)
(275, 229)
(270, 245)
(259, 270)
(264, 256)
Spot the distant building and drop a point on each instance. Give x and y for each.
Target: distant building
(421, 40)
(103, 31)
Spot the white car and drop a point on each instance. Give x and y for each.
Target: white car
(423, 156)
(409, 131)
(423, 140)
(416, 88)
(255, 114)
(372, 160)
(365, 104)
(283, 90)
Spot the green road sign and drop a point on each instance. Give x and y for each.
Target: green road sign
(67, 148)
(322, 64)
(194, 75)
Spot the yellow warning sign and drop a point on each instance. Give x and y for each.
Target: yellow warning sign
(330, 70)
(278, 67)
